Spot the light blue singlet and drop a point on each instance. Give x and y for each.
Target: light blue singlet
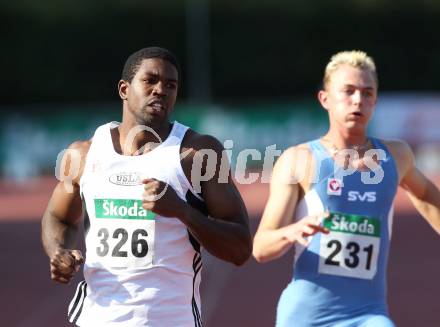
(340, 278)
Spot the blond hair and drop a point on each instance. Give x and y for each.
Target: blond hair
(355, 58)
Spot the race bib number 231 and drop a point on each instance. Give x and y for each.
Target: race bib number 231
(351, 248)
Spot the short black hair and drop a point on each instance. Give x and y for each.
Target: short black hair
(133, 62)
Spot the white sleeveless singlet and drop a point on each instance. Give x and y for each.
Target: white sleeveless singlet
(141, 269)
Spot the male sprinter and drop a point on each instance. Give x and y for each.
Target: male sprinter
(148, 207)
(332, 200)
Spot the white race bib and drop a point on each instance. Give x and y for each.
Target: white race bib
(122, 235)
(351, 248)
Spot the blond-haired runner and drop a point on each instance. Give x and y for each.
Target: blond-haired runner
(332, 198)
(147, 209)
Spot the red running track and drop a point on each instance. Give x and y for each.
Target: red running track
(232, 296)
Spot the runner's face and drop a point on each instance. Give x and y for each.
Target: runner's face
(350, 96)
(151, 95)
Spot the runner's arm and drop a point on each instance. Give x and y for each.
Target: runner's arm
(422, 192)
(61, 219)
(277, 233)
(224, 232)
(59, 225)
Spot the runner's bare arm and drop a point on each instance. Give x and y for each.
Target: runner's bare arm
(224, 232)
(61, 218)
(422, 192)
(277, 233)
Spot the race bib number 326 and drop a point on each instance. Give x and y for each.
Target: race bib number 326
(122, 235)
(351, 248)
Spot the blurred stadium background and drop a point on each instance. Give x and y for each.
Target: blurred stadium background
(250, 74)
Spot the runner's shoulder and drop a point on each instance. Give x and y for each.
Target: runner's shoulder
(402, 154)
(400, 150)
(81, 146)
(297, 154)
(194, 141)
(76, 152)
(295, 165)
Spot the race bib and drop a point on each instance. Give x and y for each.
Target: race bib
(122, 235)
(351, 248)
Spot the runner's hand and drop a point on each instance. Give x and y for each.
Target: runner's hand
(307, 226)
(64, 264)
(161, 198)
